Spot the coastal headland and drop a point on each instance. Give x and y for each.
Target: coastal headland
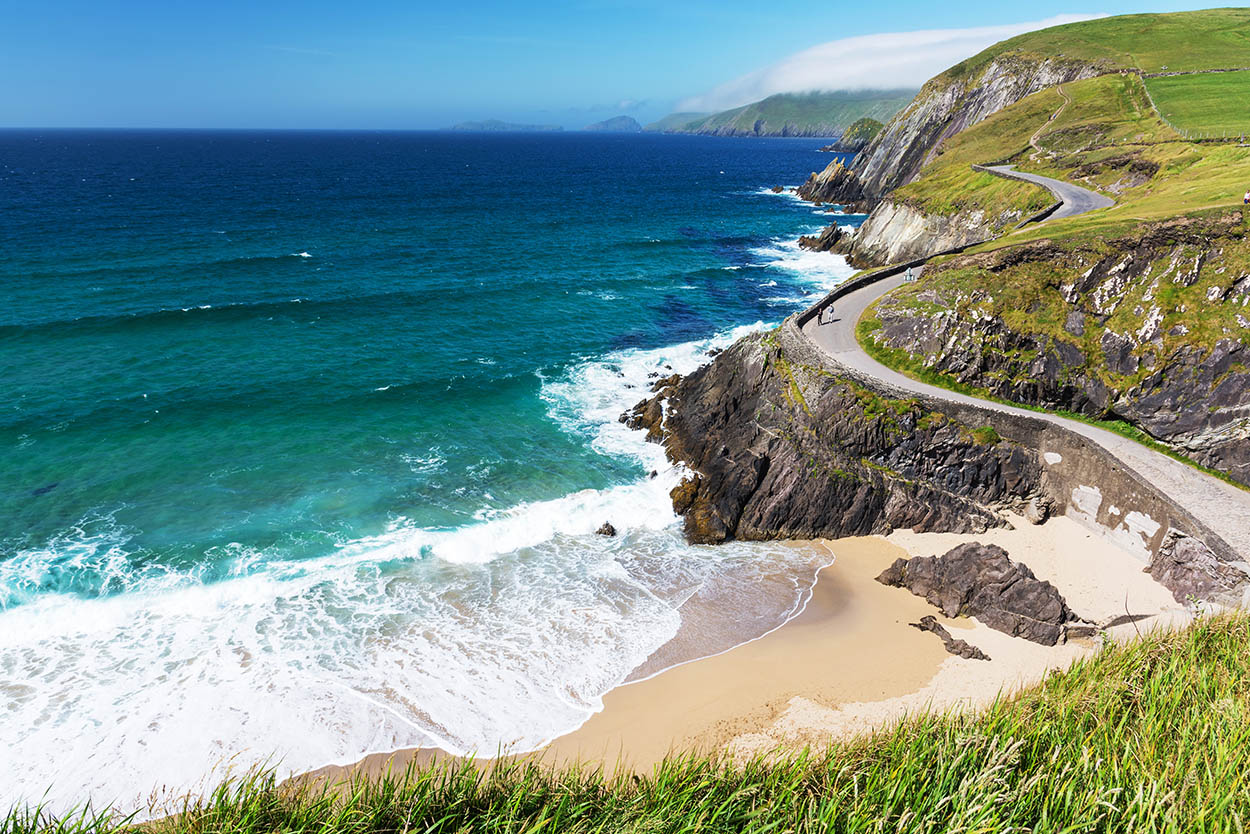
(1020, 439)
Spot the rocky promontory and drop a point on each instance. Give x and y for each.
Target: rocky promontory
(779, 449)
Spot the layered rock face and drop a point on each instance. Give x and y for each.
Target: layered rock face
(897, 232)
(835, 184)
(781, 450)
(978, 580)
(1152, 329)
(948, 104)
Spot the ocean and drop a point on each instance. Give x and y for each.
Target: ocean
(305, 437)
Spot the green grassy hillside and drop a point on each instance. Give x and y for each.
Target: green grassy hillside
(1107, 136)
(800, 114)
(1149, 736)
(1184, 41)
(1204, 105)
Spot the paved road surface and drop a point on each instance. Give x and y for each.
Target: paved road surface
(1225, 509)
(1076, 200)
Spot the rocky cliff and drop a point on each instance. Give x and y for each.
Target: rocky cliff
(795, 114)
(835, 184)
(779, 449)
(898, 228)
(896, 232)
(950, 103)
(1151, 328)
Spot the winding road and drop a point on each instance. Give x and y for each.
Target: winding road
(1223, 508)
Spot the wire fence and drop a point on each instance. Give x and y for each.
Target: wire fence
(1190, 135)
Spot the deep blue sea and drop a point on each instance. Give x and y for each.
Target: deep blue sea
(304, 437)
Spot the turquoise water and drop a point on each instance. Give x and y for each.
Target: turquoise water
(305, 436)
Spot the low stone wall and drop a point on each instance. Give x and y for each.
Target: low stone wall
(1087, 483)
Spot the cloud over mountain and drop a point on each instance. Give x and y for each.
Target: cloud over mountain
(882, 61)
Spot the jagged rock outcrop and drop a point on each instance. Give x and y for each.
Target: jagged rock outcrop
(835, 184)
(782, 450)
(959, 648)
(826, 241)
(1191, 571)
(979, 580)
(1151, 328)
(951, 102)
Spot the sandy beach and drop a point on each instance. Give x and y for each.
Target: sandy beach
(851, 662)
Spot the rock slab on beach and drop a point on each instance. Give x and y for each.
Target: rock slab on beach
(959, 648)
(981, 581)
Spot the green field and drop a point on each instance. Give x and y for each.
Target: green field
(1149, 736)
(1205, 105)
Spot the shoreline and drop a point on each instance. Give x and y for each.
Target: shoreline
(847, 663)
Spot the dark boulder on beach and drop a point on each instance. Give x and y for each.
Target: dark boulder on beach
(980, 581)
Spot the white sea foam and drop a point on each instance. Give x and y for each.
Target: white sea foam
(300, 255)
(788, 193)
(823, 270)
(501, 633)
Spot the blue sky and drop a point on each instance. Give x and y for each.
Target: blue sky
(418, 64)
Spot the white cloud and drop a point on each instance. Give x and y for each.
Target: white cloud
(881, 61)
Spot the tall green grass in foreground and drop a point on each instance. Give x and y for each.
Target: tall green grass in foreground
(1149, 736)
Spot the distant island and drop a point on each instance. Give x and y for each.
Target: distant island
(617, 124)
(496, 126)
(792, 114)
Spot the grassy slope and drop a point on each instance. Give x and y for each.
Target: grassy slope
(1184, 41)
(829, 113)
(1109, 124)
(1110, 138)
(1215, 104)
(1152, 735)
(948, 184)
